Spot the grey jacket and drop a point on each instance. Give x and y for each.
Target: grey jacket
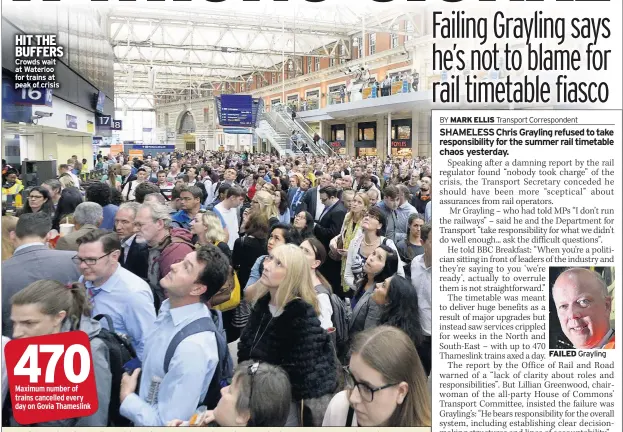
(103, 379)
(29, 265)
(68, 242)
(366, 313)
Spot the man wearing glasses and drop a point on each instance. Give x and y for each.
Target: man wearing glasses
(113, 290)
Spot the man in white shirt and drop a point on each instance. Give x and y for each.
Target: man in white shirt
(421, 279)
(66, 169)
(173, 173)
(228, 209)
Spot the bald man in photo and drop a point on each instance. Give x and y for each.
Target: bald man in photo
(583, 308)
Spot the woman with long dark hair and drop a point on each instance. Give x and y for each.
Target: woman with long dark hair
(399, 308)
(380, 265)
(69, 200)
(39, 199)
(304, 224)
(363, 245)
(412, 246)
(281, 201)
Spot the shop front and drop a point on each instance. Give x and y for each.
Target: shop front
(401, 139)
(338, 139)
(366, 139)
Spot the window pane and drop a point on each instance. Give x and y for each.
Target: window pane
(368, 134)
(404, 132)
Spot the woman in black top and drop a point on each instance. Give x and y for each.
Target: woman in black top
(412, 246)
(284, 330)
(248, 248)
(399, 308)
(69, 200)
(380, 265)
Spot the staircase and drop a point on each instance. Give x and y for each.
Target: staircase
(278, 140)
(319, 148)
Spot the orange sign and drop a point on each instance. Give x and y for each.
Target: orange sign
(115, 149)
(397, 87)
(136, 154)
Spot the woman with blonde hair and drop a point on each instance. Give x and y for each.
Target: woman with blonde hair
(113, 178)
(66, 181)
(351, 228)
(207, 226)
(8, 225)
(385, 383)
(263, 203)
(284, 330)
(208, 229)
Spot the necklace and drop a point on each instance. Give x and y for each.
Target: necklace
(258, 330)
(368, 244)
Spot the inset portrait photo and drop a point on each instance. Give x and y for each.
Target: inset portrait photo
(581, 308)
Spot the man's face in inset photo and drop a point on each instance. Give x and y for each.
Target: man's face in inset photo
(583, 307)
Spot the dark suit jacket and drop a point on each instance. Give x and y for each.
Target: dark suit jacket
(309, 201)
(330, 224)
(68, 242)
(29, 265)
(137, 261)
(294, 210)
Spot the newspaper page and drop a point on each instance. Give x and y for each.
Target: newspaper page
(527, 217)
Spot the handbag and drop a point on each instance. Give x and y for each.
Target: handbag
(232, 285)
(228, 297)
(334, 255)
(241, 315)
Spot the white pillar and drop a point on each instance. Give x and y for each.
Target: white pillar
(389, 134)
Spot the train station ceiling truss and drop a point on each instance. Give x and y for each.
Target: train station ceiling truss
(162, 55)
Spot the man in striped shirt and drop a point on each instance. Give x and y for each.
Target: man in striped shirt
(164, 184)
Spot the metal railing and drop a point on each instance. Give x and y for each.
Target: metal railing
(318, 148)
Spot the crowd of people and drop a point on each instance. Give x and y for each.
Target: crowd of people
(249, 289)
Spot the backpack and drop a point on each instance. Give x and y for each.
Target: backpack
(120, 351)
(340, 318)
(224, 370)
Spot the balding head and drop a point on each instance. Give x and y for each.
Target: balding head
(583, 307)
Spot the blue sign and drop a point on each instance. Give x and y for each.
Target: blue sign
(33, 97)
(117, 124)
(236, 110)
(153, 147)
(10, 111)
(237, 131)
(71, 121)
(146, 129)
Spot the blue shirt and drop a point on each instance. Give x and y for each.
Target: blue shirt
(129, 302)
(255, 271)
(285, 218)
(190, 371)
(182, 218)
(110, 211)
